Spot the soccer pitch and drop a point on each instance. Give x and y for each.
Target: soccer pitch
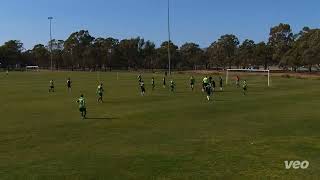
(160, 136)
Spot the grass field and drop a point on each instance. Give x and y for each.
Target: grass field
(160, 136)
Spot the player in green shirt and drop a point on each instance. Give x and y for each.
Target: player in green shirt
(205, 82)
(245, 87)
(51, 86)
(100, 92)
(82, 106)
(192, 82)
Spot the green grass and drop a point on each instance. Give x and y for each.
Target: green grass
(160, 136)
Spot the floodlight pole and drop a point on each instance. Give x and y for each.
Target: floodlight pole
(50, 44)
(169, 38)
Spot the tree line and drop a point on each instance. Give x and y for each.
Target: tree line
(82, 51)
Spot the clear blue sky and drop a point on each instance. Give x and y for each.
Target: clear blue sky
(200, 21)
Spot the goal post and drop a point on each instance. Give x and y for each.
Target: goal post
(247, 70)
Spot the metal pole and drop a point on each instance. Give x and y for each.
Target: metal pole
(268, 78)
(169, 38)
(227, 77)
(50, 44)
(72, 58)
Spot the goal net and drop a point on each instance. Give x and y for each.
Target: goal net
(256, 71)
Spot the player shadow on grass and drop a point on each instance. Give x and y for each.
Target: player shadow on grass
(101, 118)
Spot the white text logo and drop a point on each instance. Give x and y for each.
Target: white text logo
(296, 164)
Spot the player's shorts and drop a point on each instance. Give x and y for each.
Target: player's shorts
(143, 89)
(51, 87)
(100, 94)
(208, 90)
(69, 86)
(82, 109)
(245, 88)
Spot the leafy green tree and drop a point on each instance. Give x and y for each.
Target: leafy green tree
(41, 55)
(246, 55)
(223, 52)
(263, 55)
(305, 50)
(11, 53)
(162, 55)
(281, 40)
(131, 52)
(27, 57)
(76, 45)
(216, 55)
(191, 54)
(309, 46)
(149, 55)
(229, 44)
(57, 52)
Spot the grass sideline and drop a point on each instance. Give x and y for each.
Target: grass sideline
(160, 136)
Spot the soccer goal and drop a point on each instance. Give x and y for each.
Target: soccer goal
(248, 71)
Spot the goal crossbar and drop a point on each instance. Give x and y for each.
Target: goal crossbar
(248, 70)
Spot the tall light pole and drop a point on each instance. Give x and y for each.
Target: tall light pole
(169, 38)
(50, 44)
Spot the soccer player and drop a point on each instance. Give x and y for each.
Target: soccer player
(100, 92)
(69, 84)
(172, 85)
(238, 81)
(205, 82)
(210, 79)
(82, 106)
(192, 82)
(51, 86)
(213, 85)
(153, 83)
(143, 89)
(164, 82)
(139, 78)
(221, 84)
(245, 87)
(208, 90)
